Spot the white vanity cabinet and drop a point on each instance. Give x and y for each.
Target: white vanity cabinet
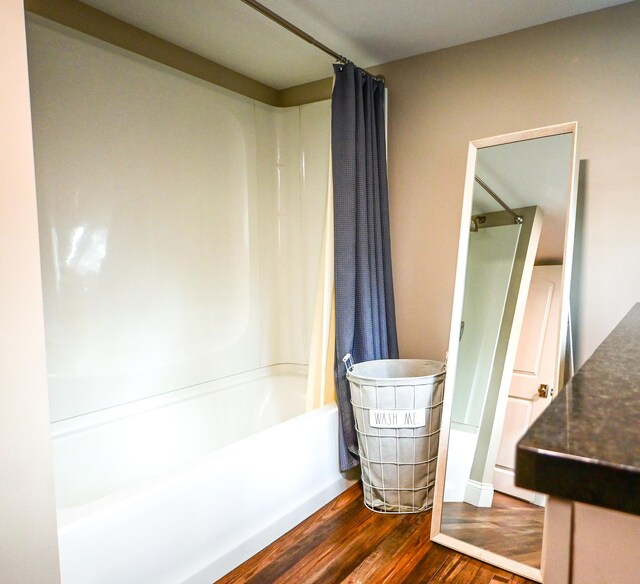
(590, 545)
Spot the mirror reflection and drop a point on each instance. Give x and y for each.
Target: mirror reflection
(509, 353)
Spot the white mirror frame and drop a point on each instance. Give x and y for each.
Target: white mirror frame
(454, 335)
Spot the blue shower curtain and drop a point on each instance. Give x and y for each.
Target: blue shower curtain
(365, 312)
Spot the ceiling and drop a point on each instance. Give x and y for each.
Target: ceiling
(369, 32)
(530, 172)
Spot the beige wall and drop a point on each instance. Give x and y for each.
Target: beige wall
(584, 68)
(28, 540)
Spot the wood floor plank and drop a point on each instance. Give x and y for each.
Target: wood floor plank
(297, 543)
(428, 566)
(339, 555)
(510, 527)
(344, 542)
(456, 570)
(396, 556)
(487, 574)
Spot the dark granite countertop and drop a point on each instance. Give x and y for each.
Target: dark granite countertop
(586, 444)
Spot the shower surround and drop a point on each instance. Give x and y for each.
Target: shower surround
(181, 227)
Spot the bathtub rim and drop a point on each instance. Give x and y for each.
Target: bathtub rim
(90, 420)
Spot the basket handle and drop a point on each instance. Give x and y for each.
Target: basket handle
(348, 362)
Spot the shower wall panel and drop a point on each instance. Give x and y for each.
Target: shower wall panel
(170, 216)
(296, 174)
(315, 146)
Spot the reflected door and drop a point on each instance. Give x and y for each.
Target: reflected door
(535, 367)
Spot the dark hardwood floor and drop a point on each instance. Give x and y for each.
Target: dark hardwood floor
(510, 527)
(345, 542)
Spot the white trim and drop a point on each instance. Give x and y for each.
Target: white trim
(546, 131)
(478, 494)
(454, 335)
(488, 557)
(140, 406)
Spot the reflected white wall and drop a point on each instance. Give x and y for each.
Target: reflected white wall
(489, 267)
(179, 232)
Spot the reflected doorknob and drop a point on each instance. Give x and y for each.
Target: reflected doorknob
(545, 391)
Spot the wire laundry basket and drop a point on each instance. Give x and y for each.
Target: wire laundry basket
(397, 405)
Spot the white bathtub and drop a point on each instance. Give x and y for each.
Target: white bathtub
(181, 488)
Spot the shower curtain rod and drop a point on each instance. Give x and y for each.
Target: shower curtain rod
(516, 218)
(300, 33)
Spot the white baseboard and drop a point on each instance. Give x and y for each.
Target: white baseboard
(478, 494)
(504, 482)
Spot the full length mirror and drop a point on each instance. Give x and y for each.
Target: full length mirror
(508, 346)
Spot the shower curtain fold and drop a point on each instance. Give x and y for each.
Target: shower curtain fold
(321, 387)
(364, 304)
